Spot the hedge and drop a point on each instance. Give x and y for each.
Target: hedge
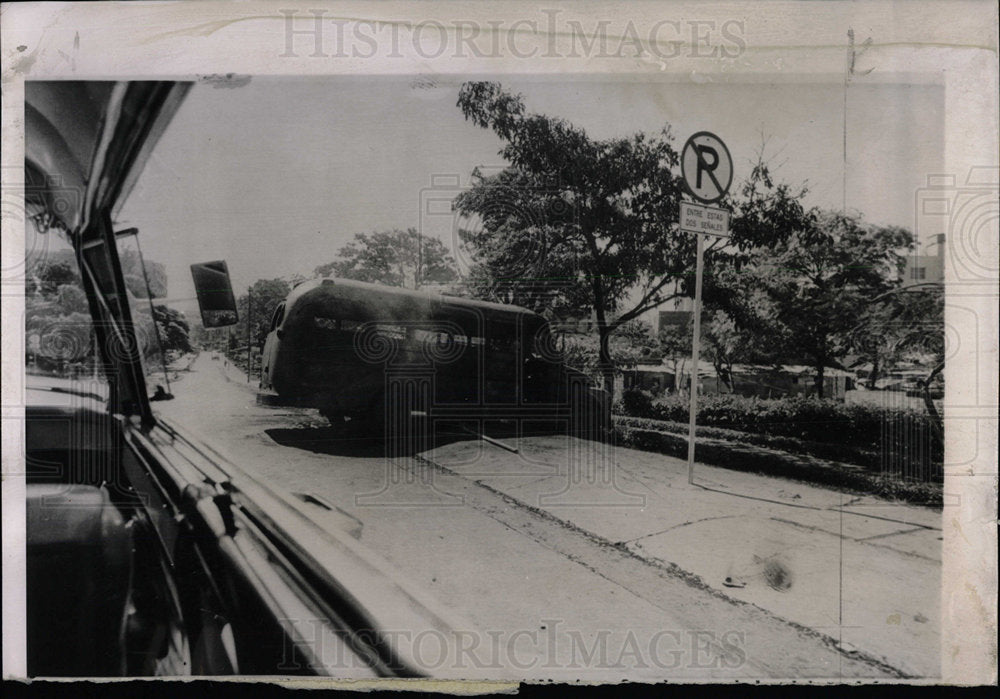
(771, 462)
(859, 427)
(871, 460)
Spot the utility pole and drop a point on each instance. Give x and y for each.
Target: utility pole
(249, 316)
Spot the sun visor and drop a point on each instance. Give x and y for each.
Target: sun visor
(85, 143)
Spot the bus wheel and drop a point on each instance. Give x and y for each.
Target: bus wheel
(335, 419)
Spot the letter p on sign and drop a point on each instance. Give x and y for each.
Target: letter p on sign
(707, 167)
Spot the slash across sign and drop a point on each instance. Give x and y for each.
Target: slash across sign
(707, 167)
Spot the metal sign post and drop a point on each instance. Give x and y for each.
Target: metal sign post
(249, 329)
(703, 180)
(695, 354)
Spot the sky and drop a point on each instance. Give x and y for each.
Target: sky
(275, 176)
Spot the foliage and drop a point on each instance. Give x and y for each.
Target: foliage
(907, 325)
(635, 403)
(56, 324)
(577, 225)
(834, 451)
(817, 286)
(71, 298)
(633, 342)
(132, 271)
(255, 311)
(396, 258)
(809, 419)
(174, 329)
(46, 277)
(745, 457)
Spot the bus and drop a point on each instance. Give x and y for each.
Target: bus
(354, 350)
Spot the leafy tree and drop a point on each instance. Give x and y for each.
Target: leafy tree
(674, 343)
(256, 311)
(577, 225)
(72, 299)
(46, 277)
(174, 329)
(903, 325)
(132, 271)
(396, 258)
(821, 281)
(723, 341)
(57, 327)
(633, 343)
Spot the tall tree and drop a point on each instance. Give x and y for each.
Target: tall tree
(257, 308)
(906, 324)
(135, 280)
(821, 282)
(590, 226)
(174, 329)
(674, 342)
(396, 258)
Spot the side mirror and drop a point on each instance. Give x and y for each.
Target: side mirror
(215, 294)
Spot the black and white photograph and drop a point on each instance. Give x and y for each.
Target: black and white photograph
(500, 343)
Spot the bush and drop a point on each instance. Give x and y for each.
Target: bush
(862, 427)
(635, 403)
(833, 451)
(775, 463)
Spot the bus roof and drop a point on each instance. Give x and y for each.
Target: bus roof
(378, 302)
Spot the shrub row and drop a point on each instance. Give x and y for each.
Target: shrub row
(833, 451)
(861, 427)
(770, 462)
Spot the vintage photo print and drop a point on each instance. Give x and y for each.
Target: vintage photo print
(469, 345)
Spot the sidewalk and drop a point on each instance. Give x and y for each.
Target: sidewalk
(863, 571)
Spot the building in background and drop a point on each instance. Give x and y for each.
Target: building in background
(926, 263)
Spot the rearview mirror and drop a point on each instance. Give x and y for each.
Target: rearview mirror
(215, 294)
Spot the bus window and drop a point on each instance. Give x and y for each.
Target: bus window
(396, 332)
(279, 315)
(544, 344)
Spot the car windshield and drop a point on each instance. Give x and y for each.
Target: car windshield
(463, 336)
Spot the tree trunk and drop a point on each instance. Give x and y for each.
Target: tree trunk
(937, 424)
(873, 376)
(820, 379)
(605, 364)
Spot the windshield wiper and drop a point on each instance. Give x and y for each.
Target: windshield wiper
(71, 391)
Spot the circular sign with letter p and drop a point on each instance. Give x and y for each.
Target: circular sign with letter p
(707, 167)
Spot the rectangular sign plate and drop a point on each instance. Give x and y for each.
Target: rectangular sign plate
(697, 218)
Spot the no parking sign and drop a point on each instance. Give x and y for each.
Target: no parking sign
(707, 167)
(707, 170)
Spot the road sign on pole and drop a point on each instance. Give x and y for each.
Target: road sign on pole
(707, 169)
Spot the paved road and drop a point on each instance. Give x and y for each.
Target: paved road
(578, 562)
